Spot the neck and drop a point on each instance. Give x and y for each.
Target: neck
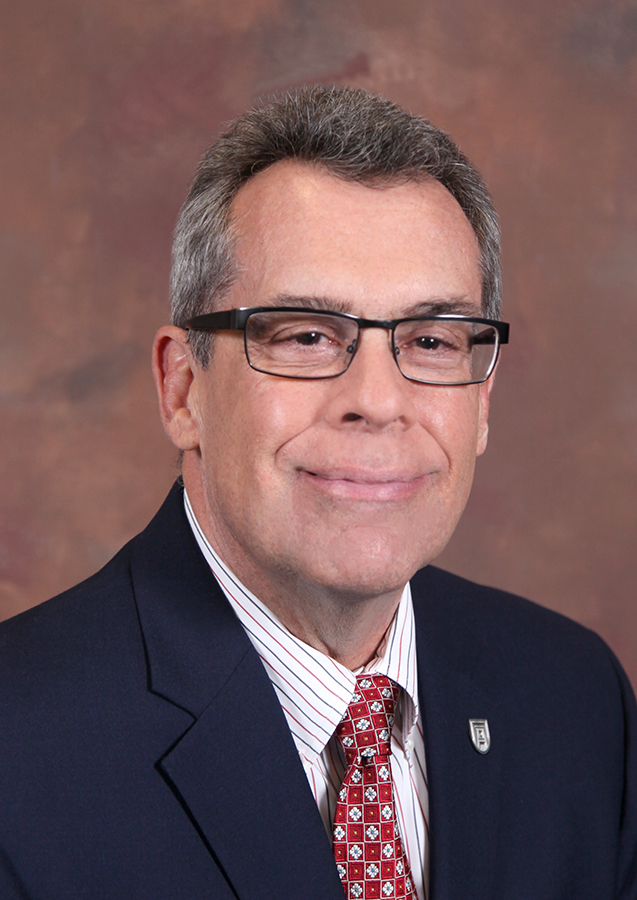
(347, 629)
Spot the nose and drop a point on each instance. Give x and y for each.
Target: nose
(373, 392)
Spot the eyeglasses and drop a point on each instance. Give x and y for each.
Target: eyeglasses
(304, 343)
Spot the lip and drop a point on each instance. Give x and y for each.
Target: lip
(364, 484)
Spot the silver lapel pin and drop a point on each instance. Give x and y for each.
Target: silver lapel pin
(479, 734)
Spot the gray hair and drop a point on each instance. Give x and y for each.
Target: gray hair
(356, 136)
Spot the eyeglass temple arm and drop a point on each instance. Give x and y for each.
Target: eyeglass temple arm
(226, 318)
(489, 338)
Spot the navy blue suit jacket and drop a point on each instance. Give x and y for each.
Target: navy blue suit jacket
(144, 754)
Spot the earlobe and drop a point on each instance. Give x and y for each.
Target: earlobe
(484, 399)
(174, 372)
(483, 436)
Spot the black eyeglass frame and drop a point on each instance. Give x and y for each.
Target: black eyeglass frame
(237, 320)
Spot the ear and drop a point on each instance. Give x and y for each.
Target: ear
(174, 370)
(484, 399)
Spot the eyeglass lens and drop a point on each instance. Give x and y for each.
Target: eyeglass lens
(318, 345)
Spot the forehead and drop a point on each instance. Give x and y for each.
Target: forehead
(301, 232)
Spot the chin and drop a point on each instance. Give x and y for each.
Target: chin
(367, 571)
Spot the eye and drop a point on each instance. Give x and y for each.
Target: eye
(303, 334)
(438, 341)
(303, 337)
(428, 342)
(308, 338)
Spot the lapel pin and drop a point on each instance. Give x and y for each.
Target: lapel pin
(479, 734)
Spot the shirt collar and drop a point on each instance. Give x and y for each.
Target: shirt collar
(314, 689)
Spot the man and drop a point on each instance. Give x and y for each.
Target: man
(266, 693)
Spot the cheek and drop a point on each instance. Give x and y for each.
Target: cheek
(251, 424)
(452, 417)
(281, 409)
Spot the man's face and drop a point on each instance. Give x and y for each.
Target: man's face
(349, 484)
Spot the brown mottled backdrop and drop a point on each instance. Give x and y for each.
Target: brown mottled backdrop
(106, 108)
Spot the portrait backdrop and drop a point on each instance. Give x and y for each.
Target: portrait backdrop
(107, 107)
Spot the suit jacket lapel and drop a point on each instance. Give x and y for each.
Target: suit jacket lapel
(238, 773)
(464, 785)
(236, 770)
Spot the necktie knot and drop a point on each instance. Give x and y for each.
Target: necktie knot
(365, 730)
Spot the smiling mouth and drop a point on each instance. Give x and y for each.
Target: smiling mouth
(366, 485)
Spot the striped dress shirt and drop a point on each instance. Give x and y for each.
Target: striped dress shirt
(315, 690)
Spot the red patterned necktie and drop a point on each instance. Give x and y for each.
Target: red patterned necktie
(369, 852)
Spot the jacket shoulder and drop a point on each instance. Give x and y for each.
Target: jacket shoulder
(84, 617)
(517, 642)
(64, 640)
(489, 610)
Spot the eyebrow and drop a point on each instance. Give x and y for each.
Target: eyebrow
(436, 307)
(459, 306)
(327, 304)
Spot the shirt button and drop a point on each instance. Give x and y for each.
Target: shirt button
(409, 745)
